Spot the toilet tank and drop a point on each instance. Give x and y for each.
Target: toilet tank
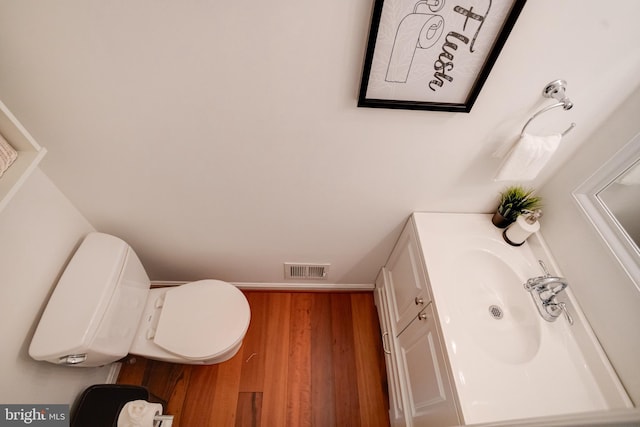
(94, 311)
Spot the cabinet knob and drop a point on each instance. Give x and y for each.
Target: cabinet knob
(419, 301)
(422, 316)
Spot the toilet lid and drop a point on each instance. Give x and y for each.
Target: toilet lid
(202, 319)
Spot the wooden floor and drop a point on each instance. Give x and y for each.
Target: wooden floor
(308, 359)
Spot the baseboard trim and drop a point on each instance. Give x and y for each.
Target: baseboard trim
(114, 371)
(334, 287)
(329, 287)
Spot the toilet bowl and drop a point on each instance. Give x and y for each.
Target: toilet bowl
(201, 322)
(103, 309)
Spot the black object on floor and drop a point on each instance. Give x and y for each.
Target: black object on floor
(100, 404)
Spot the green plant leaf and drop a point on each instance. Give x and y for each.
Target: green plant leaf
(515, 199)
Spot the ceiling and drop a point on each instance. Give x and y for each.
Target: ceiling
(221, 139)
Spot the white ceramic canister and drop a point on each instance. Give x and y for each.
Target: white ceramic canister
(524, 226)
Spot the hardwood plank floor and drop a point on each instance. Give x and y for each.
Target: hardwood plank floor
(308, 359)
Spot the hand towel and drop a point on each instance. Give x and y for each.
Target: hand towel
(7, 155)
(527, 158)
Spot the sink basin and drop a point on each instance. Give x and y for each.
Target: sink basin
(496, 308)
(505, 360)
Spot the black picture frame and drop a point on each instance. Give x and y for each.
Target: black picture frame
(433, 54)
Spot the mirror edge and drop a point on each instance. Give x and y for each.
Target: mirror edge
(597, 213)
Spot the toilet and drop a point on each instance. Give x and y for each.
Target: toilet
(103, 308)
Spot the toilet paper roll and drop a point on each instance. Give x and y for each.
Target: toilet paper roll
(138, 413)
(520, 231)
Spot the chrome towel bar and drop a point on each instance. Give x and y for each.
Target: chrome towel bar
(556, 90)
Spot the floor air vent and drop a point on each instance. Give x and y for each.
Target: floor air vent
(297, 271)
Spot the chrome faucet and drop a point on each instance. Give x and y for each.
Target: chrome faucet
(543, 290)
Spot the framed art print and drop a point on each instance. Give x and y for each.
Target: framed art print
(433, 54)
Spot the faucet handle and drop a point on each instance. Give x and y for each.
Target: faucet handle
(563, 306)
(534, 282)
(554, 308)
(544, 268)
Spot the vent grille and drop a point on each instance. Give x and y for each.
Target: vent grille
(300, 271)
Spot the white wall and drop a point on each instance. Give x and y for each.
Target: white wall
(607, 295)
(39, 231)
(222, 139)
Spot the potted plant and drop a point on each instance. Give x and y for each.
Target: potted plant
(513, 200)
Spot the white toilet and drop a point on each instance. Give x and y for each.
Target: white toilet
(103, 309)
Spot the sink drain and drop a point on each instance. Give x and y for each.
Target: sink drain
(496, 312)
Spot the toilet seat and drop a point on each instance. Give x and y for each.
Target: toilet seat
(201, 320)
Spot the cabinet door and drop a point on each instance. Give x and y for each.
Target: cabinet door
(407, 288)
(430, 400)
(396, 405)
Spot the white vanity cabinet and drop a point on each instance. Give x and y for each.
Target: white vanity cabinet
(428, 392)
(407, 287)
(451, 361)
(420, 389)
(389, 343)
